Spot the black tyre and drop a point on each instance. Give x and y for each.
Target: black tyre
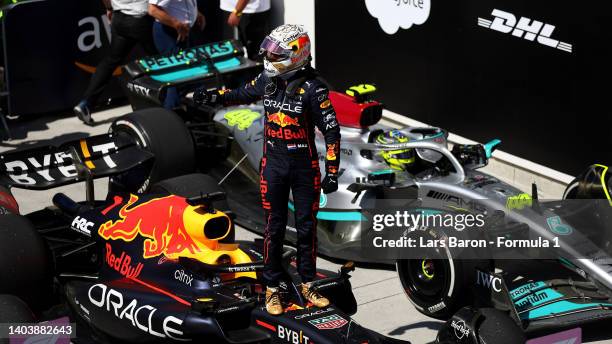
(14, 310)
(191, 185)
(26, 265)
(439, 284)
(163, 133)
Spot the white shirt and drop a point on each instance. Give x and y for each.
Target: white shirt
(254, 6)
(183, 10)
(136, 8)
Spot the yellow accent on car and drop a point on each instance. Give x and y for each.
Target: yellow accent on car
(360, 89)
(197, 220)
(519, 201)
(603, 182)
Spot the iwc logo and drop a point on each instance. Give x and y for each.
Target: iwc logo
(395, 14)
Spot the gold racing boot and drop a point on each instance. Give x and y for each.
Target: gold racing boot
(273, 301)
(313, 296)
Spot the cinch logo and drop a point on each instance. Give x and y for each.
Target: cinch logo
(526, 28)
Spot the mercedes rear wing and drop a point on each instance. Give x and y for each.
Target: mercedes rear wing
(46, 167)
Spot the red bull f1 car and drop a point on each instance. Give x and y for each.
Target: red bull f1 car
(156, 266)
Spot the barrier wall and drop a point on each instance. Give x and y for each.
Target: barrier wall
(532, 73)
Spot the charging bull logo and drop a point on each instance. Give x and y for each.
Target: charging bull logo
(301, 47)
(159, 220)
(282, 120)
(331, 152)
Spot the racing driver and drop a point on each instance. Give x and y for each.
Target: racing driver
(295, 101)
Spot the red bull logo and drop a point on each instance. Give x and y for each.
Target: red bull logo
(331, 152)
(159, 220)
(286, 134)
(300, 46)
(122, 264)
(282, 120)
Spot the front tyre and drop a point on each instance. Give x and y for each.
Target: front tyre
(439, 284)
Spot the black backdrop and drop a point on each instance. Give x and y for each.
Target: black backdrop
(546, 105)
(41, 50)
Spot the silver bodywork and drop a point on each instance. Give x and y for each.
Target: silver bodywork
(479, 192)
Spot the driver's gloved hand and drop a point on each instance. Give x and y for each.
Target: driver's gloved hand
(202, 96)
(330, 183)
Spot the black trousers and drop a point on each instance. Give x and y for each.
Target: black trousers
(253, 28)
(126, 32)
(278, 175)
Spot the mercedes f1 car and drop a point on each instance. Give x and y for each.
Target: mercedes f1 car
(161, 265)
(420, 166)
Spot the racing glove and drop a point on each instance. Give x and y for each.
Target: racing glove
(202, 96)
(330, 183)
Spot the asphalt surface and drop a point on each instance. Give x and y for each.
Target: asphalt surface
(383, 306)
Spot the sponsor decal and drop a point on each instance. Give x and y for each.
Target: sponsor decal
(282, 120)
(282, 106)
(322, 97)
(181, 275)
(286, 134)
(184, 56)
(328, 322)
(292, 336)
(488, 281)
(460, 329)
(291, 146)
(311, 314)
(331, 152)
(437, 307)
(558, 227)
(532, 299)
(395, 14)
(139, 316)
(122, 264)
(82, 225)
(90, 38)
(518, 292)
(242, 119)
(526, 28)
(60, 161)
(143, 91)
(159, 221)
(301, 91)
(519, 201)
(270, 88)
(325, 104)
(300, 48)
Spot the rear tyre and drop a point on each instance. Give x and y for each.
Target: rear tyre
(192, 185)
(14, 310)
(163, 133)
(440, 284)
(26, 265)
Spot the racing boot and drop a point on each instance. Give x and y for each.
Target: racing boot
(313, 296)
(273, 301)
(83, 113)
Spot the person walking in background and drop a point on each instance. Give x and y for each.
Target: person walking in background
(251, 18)
(130, 25)
(174, 19)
